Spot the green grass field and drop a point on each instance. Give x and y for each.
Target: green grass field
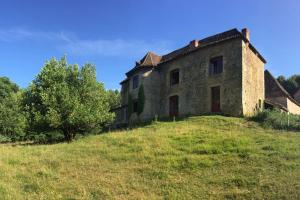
(211, 157)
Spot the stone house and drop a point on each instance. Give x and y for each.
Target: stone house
(277, 96)
(223, 73)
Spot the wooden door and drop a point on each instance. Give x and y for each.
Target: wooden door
(173, 106)
(215, 99)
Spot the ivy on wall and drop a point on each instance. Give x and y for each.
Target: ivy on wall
(130, 105)
(141, 100)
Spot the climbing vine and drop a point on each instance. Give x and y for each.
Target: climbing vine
(141, 100)
(130, 105)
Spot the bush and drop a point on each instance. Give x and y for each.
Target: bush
(278, 120)
(4, 139)
(49, 137)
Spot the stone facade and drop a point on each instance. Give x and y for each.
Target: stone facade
(195, 83)
(253, 81)
(240, 79)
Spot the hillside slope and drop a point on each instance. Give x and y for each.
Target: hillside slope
(199, 158)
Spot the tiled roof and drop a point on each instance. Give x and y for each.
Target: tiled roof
(297, 91)
(153, 60)
(150, 59)
(234, 33)
(271, 78)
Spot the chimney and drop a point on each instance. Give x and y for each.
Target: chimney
(246, 33)
(194, 43)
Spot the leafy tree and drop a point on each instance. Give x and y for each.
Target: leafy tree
(12, 119)
(7, 87)
(141, 100)
(291, 84)
(114, 98)
(67, 98)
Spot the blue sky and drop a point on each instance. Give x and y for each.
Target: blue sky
(114, 34)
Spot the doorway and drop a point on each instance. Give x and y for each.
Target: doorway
(215, 99)
(173, 106)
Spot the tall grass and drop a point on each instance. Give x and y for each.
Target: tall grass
(278, 120)
(207, 157)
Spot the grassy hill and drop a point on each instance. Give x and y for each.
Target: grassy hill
(210, 157)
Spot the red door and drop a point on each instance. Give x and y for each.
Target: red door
(173, 106)
(215, 99)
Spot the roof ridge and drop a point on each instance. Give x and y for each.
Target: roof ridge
(207, 41)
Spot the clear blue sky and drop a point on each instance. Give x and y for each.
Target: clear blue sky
(114, 34)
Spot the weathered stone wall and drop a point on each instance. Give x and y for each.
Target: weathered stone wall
(124, 93)
(253, 81)
(151, 81)
(293, 107)
(195, 83)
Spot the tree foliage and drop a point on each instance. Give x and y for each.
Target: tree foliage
(7, 87)
(114, 98)
(67, 98)
(12, 119)
(291, 84)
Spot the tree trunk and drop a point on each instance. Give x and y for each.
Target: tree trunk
(68, 135)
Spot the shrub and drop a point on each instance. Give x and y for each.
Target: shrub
(48, 137)
(278, 120)
(4, 139)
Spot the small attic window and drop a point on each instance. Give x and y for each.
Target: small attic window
(135, 81)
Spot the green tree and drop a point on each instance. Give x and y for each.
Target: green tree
(291, 84)
(12, 119)
(114, 98)
(67, 98)
(7, 87)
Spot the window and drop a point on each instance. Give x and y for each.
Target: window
(216, 65)
(174, 77)
(135, 82)
(135, 106)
